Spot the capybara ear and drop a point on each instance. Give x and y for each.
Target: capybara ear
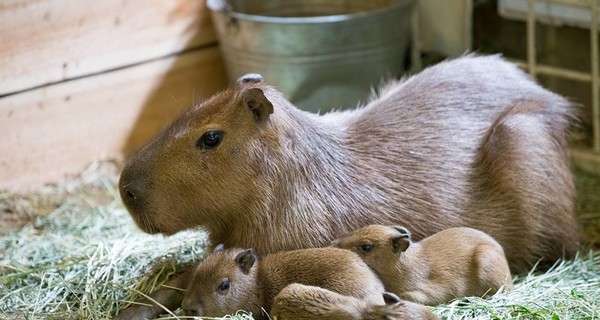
(219, 247)
(403, 230)
(245, 260)
(390, 298)
(250, 78)
(257, 102)
(400, 243)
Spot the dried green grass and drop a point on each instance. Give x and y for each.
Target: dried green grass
(86, 259)
(569, 290)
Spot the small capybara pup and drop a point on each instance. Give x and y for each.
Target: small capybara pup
(229, 280)
(455, 262)
(469, 142)
(302, 302)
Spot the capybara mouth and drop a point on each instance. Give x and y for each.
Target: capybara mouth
(144, 223)
(151, 230)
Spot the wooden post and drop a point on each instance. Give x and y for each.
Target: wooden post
(595, 75)
(531, 37)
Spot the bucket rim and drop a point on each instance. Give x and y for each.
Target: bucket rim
(222, 7)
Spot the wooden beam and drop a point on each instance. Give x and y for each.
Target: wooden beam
(48, 41)
(57, 130)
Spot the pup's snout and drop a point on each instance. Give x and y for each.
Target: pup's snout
(192, 312)
(192, 309)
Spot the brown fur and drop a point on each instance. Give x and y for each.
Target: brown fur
(455, 262)
(253, 288)
(468, 142)
(302, 302)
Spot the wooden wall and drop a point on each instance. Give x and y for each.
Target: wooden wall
(86, 80)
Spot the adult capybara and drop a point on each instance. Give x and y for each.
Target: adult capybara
(455, 262)
(302, 302)
(236, 279)
(468, 142)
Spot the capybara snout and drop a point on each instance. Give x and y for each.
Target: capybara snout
(132, 187)
(191, 310)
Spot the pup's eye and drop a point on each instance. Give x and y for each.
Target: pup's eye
(210, 139)
(365, 247)
(224, 286)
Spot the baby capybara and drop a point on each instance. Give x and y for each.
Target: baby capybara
(237, 279)
(455, 262)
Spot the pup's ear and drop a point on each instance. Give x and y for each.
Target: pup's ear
(390, 298)
(400, 243)
(402, 230)
(256, 101)
(245, 260)
(250, 78)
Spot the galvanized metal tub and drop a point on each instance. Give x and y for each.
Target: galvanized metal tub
(322, 54)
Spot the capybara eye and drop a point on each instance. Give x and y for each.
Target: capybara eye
(224, 286)
(365, 247)
(210, 139)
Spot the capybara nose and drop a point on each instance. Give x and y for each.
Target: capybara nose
(191, 312)
(132, 190)
(191, 308)
(129, 195)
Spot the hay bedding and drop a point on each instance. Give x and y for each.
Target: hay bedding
(72, 252)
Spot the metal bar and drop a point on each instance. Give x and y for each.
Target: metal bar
(562, 72)
(595, 74)
(531, 37)
(556, 71)
(575, 3)
(415, 52)
(468, 25)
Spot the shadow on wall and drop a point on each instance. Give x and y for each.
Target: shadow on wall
(195, 73)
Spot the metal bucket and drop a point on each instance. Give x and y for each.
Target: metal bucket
(322, 54)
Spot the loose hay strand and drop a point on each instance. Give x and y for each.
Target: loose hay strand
(86, 260)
